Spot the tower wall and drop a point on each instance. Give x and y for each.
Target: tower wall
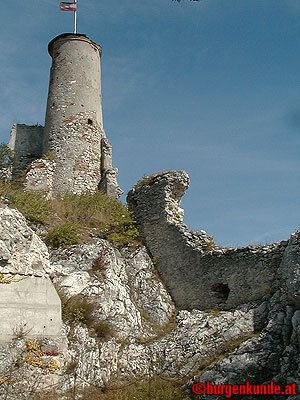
(27, 143)
(73, 124)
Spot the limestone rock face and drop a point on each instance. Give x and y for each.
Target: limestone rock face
(147, 335)
(123, 285)
(134, 329)
(28, 300)
(272, 355)
(21, 250)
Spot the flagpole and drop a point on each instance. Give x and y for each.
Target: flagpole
(75, 17)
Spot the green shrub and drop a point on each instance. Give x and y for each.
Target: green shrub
(32, 205)
(77, 309)
(110, 217)
(122, 228)
(62, 235)
(7, 156)
(210, 245)
(122, 234)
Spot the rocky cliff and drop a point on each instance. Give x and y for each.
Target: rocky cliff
(190, 311)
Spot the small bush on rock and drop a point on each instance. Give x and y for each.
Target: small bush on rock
(7, 156)
(65, 234)
(100, 264)
(122, 233)
(32, 205)
(210, 245)
(77, 309)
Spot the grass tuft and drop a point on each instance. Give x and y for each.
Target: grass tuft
(70, 219)
(149, 389)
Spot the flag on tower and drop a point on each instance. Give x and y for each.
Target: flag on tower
(67, 6)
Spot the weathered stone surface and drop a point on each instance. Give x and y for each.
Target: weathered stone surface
(141, 332)
(29, 304)
(198, 273)
(124, 286)
(27, 144)
(40, 176)
(28, 301)
(147, 336)
(21, 250)
(289, 271)
(271, 356)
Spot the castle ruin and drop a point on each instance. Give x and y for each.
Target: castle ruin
(71, 153)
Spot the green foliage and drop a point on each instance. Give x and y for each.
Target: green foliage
(121, 228)
(92, 208)
(109, 216)
(155, 260)
(210, 245)
(122, 233)
(32, 205)
(77, 309)
(7, 156)
(49, 156)
(62, 235)
(74, 214)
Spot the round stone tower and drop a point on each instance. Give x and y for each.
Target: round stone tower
(73, 124)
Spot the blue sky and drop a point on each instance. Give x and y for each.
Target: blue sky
(211, 87)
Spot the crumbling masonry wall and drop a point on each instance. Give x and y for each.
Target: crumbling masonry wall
(27, 142)
(198, 273)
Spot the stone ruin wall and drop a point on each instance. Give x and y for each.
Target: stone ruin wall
(198, 273)
(27, 142)
(86, 168)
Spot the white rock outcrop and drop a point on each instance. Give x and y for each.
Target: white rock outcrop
(21, 250)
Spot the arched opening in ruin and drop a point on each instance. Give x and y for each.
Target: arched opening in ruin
(221, 291)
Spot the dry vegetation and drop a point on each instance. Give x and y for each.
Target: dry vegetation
(71, 218)
(155, 388)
